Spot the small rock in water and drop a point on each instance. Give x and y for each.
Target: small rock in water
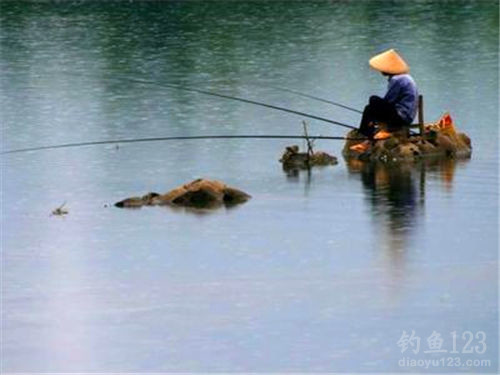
(200, 193)
(292, 158)
(60, 211)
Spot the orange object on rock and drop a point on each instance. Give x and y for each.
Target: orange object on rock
(360, 147)
(445, 121)
(382, 134)
(446, 124)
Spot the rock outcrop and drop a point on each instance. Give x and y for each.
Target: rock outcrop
(440, 140)
(292, 158)
(200, 193)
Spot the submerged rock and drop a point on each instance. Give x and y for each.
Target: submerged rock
(200, 193)
(136, 202)
(292, 158)
(440, 140)
(60, 211)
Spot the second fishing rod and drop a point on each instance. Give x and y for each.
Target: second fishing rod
(230, 97)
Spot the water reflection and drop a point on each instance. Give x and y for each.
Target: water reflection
(396, 196)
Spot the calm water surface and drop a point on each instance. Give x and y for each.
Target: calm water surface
(316, 273)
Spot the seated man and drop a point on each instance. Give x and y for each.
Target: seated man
(397, 108)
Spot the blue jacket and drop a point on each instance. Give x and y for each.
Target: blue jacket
(403, 94)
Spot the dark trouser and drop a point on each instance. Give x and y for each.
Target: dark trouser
(379, 110)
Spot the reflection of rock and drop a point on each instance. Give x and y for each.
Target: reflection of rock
(199, 193)
(292, 158)
(438, 141)
(396, 195)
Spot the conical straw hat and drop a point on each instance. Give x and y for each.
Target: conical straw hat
(389, 62)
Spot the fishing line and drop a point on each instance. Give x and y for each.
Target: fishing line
(295, 92)
(318, 99)
(211, 93)
(249, 101)
(175, 138)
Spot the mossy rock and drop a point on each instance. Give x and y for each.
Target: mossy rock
(434, 144)
(292, 158)
(200, 193)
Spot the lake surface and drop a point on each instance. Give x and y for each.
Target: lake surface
(323, 272)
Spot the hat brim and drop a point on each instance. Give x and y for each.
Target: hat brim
(389, 62)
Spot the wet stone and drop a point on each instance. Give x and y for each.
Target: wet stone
(292, 158)
(200, 193)
(437, 142)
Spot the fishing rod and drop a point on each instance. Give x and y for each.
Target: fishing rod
(175, 138)
(244, 100)
(318, 99)
(284, 89)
